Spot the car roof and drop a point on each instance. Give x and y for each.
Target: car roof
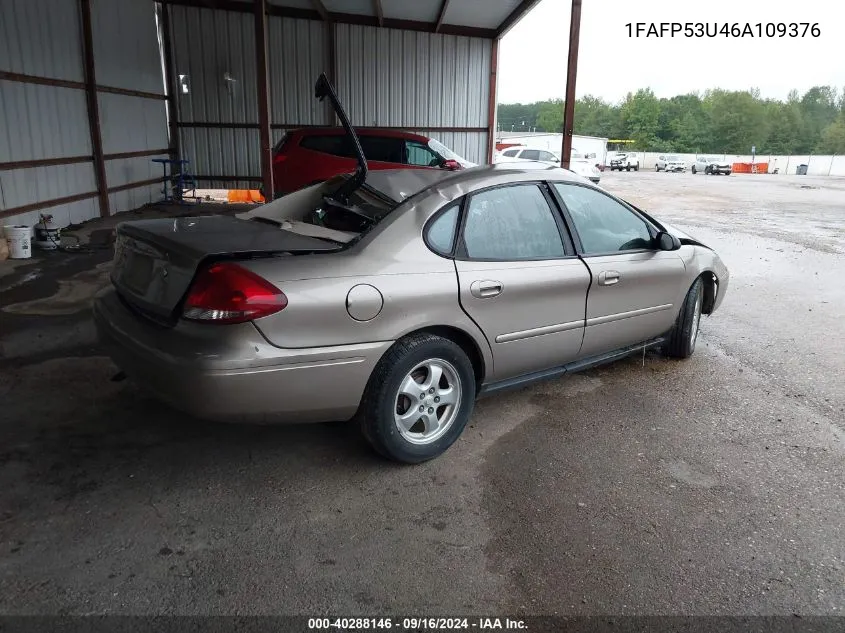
(360, 131)
(401, 184)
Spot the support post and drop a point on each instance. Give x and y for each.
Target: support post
(491, 101)
(93, 108)
(571, 73)
(263, 98)
(170, 80)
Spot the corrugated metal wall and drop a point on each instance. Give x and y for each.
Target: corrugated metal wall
(43, 40)
(385, 77)
(416, 80)
(39, 122)
(126, 55)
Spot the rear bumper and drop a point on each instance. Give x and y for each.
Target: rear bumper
(231, 373)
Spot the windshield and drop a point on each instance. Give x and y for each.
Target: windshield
(673, 157)
(444, 151)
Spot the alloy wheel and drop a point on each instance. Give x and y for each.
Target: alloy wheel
(428, 401)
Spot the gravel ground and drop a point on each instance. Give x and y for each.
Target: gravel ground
(710, 486)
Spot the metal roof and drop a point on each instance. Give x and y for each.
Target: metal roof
(479, 18)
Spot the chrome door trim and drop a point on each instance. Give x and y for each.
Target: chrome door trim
(626, 315)
(539, 331)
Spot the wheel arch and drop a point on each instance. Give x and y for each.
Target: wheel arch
(465, 341)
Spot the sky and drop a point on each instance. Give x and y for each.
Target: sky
(533, 55)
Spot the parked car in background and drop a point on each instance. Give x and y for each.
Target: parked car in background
(625, 160)
(711, 165)
(670, 162)
(527, 153)
(307, 156)
(577, 165)
(394, 298)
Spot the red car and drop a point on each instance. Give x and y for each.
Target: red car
(307, 156)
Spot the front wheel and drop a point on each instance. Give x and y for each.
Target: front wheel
(637, 167)
(657, 168)
(692, 169)
(418, 399)
(684, 334)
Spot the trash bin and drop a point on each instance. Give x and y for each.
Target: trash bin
(802, 170)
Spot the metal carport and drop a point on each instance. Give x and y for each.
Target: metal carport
(84, 106)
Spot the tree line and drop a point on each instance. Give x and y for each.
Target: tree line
(716, 121)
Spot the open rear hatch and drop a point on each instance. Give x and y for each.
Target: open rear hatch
(156, 260)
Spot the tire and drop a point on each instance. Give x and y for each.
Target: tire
(727, 173)
(637, 167)
(707, 171)
(684, 334)
(657, 168)
(385, 402)
(627, 168)
(692, 169)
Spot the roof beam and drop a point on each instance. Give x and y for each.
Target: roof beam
(321, 9)
(379, 12)
(515, 16)
(442, 13)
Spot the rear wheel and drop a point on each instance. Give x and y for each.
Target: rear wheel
(627, 168)
(681, 342)
(637, 167)
(692, 169)
(418, 399)
(657, 168)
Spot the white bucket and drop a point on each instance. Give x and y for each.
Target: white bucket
(19, 238)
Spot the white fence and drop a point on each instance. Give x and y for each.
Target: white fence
(816, 165)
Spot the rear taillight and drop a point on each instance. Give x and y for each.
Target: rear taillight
(228, 293)
(278, 159)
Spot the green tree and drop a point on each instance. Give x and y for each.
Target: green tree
(641, 117)
(833, 137)
(550, 116)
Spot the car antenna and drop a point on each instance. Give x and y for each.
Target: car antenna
(322, 89)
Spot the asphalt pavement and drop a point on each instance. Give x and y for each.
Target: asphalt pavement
(709, 486)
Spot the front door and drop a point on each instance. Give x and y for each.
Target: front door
(634, 286)
(520, 279)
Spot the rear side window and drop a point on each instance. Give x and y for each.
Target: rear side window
(383, 149)
(511, 153)
(333, 144)
(511, 223)
(441, 232)
(530, 154)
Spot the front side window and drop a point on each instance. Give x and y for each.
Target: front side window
(511, 223)
(603, 224)
(421, 155)
(548, 157)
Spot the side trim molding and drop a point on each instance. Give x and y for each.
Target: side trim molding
(608, 318)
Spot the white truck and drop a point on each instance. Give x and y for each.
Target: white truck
(624, 160)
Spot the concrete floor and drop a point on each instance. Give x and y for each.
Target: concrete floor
(711, 486)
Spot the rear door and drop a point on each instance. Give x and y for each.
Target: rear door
(520, 279)
(634, 285)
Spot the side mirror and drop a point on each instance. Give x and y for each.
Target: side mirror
(667, 242)
(452, 164)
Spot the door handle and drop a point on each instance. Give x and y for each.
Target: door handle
(485, 289)
(609, 277)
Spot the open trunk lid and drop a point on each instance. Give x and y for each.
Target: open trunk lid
(156, 260)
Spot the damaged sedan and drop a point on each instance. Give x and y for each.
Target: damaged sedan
(396, 298)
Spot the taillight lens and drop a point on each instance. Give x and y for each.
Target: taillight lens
(278, 159)
(228, 293)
